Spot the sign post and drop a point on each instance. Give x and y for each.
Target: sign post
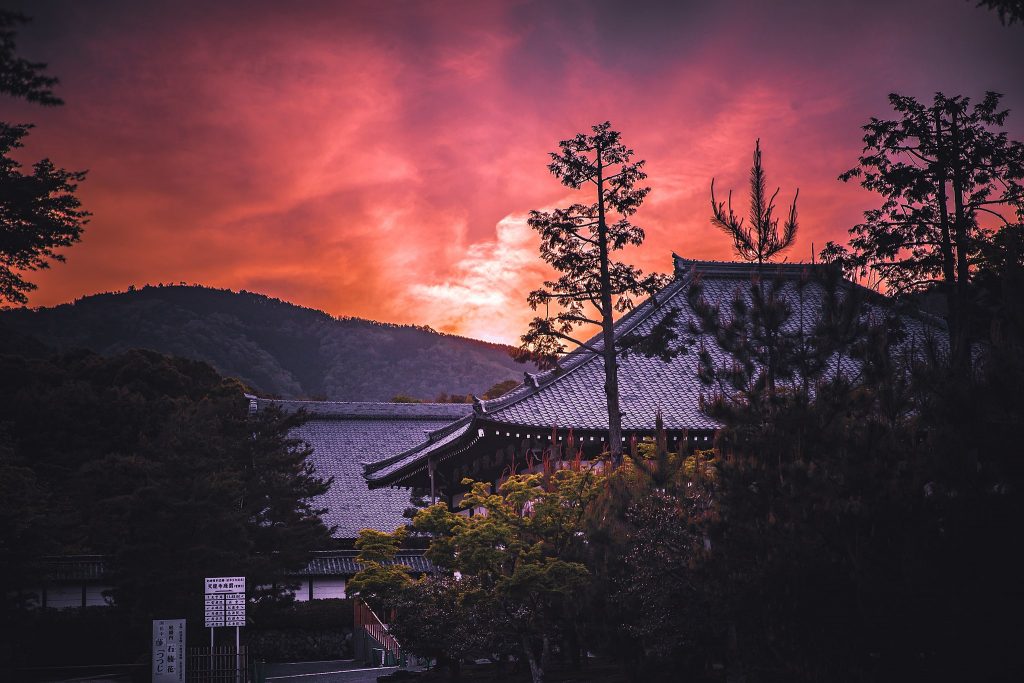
(225, 606)
(168, 651)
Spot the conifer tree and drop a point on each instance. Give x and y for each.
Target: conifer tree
(759, 240)
(578, 241)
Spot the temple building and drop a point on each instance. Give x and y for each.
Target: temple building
(382, 455)
(510, 433)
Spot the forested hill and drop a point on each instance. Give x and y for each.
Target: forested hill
(275, 347)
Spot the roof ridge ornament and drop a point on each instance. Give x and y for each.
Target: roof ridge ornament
(478, 406)
(531, 380)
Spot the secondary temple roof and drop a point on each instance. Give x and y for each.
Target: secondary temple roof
(573, 394)
(345, 435)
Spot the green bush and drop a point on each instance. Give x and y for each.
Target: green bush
(314, 630)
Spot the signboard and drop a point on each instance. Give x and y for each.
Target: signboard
(225, 601)
(168, 651)
(225, 584)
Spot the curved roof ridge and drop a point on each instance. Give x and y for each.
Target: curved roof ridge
(579, 357)
(433, 438)
(734, 268)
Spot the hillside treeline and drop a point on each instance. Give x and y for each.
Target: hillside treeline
(275, 347)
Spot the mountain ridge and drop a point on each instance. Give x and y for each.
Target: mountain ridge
(277, 347)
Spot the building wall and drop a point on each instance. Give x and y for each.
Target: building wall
(71, 595)
(323, 587)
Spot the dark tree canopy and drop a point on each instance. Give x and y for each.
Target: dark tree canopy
(578, 242)
(1010, 11)
(155, 463)
(18, 76)
(949, 180)
(39, 212)
(759, 240)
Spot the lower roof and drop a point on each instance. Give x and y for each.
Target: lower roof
(345, 436)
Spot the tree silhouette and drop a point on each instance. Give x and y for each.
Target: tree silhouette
(760, 240)
(18, 76)
(39, 212)
(1010, 11)
(578, 241)
(939, 169)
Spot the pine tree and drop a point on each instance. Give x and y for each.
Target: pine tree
(760, 240)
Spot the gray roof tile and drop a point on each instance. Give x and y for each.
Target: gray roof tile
(573, 395)
(344, 436)
(335, 563)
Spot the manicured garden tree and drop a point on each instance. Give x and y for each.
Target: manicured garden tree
(380, 579)
(522, 554)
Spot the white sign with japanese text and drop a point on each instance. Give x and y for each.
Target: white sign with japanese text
(225, 584)
(168, 651)
(224, 603)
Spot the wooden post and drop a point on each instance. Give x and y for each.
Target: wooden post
(431, 467)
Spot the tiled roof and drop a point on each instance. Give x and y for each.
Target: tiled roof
(345, 436)
(343, 563)
(377, 410)
(573, 395)
(323, 563)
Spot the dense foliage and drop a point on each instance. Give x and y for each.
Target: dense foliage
(155, 463)
(39, 212)
(273, 346)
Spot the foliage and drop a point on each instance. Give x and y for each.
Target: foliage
(941, 171)
(278, 348)
(447, 618)
(39, 212)
(90, 635)
(512, 571)
(380, 578)
(156, 463)
(523, 549)
(1010, 11)
(314, 630)
(18, 76)
(500, 389)
(759, 241)
(853, 528)
(649, 598)
(577, 242)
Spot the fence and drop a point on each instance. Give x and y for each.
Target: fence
(219, 665)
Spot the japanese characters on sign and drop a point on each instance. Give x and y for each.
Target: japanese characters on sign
(225, 584)
(168, 651)
(225, 601)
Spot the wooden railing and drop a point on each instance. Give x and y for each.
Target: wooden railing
(368, 624)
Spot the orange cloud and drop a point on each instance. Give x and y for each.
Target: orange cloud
(376, 159)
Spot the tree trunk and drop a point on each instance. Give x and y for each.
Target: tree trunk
(946, 242)
(611, 364)
(962, 351)
(536, 670)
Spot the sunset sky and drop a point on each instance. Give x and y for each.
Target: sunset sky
(377, 159)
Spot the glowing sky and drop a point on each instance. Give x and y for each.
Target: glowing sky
(376, 159)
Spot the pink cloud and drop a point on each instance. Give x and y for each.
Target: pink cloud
(376, 159)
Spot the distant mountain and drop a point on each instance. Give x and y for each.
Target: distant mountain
(274, 346)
